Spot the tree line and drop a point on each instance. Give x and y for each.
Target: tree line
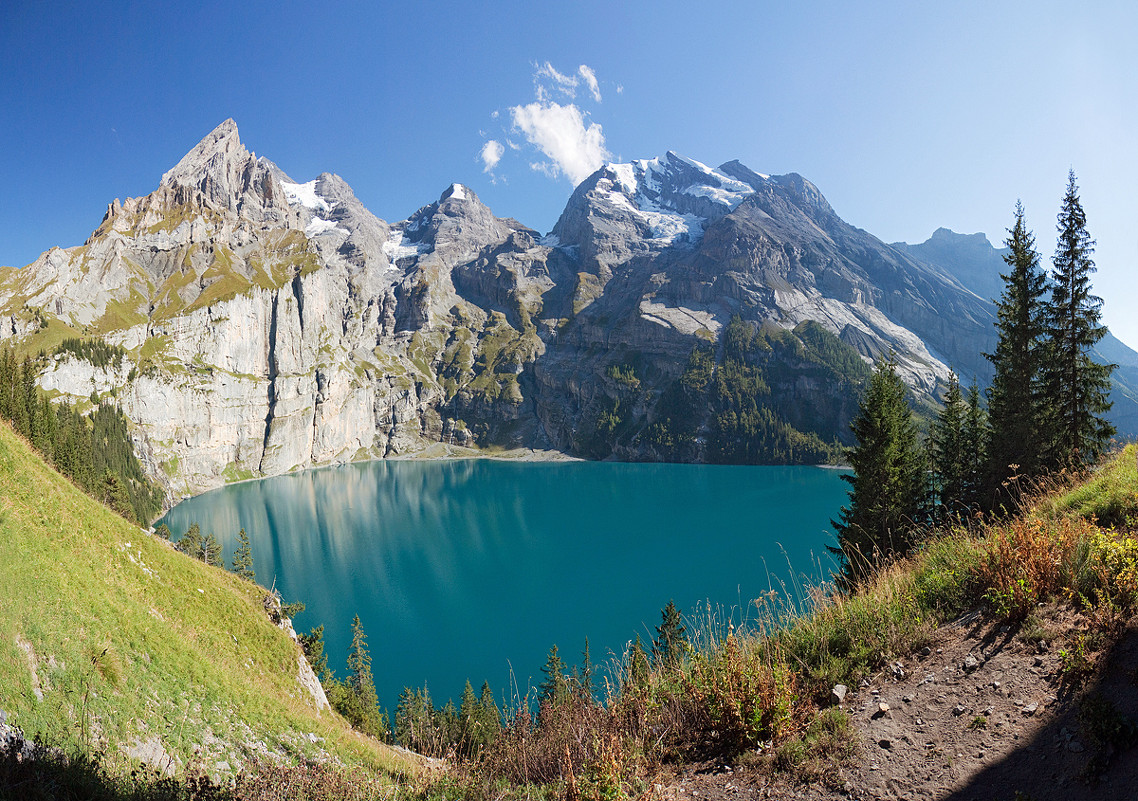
(94, 450)
(1043, 415)
(466, 730)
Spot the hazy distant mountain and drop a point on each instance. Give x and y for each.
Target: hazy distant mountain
(972, 260)
(271, 324)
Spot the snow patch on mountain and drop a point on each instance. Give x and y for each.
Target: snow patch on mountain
(399, 247)
(319, 225)
(305, 195)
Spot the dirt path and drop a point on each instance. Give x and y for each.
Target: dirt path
(980, 714)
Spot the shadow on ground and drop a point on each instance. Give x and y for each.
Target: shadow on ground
(1086, 752)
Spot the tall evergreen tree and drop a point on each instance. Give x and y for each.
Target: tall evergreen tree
(586, 678)
(363, 709)
(888, 498)
(947, 449)
(976, 433)
(243, 557)
(1074, 385)
(1015, 405)
(554, 688)
(671, 637)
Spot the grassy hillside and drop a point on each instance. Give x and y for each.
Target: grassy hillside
(110, 639)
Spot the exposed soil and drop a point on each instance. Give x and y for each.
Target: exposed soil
(983, 713)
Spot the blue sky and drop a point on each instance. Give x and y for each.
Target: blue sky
(908, 116)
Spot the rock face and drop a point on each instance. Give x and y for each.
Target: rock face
(270, 325)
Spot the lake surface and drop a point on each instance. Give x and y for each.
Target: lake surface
(474, 568)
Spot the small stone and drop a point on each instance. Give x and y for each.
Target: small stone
(1037, 662)
(883, 707)
(885, 743)
(908, 699)
(1030, 709)
(970, 663)
(1075, 747)
(838, 694)
(995, 685)
(898, 671)
(863, 683)
(958, 710)
(926, 651)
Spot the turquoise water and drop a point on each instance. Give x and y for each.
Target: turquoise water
(474, 568)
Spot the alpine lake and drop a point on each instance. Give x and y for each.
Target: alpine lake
(473, 568)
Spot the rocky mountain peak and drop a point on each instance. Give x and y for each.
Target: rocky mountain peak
(946, 236)
(216, 155)
(229, 177)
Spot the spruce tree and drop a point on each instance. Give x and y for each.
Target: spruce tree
(671, 637)
(363, 711)
(1015, 404)
(243, 557)
(554, 688)
(947, 446)
(888, 498)
(976, 433)
(1075, 387)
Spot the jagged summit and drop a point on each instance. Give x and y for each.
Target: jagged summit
(221, 147)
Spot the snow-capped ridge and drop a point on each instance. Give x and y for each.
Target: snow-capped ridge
(454, 192)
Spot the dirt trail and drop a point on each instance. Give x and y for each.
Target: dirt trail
(980, 714)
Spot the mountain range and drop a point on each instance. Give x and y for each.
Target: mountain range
(675, 311)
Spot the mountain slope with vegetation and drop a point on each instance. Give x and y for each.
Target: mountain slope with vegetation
(114, 644)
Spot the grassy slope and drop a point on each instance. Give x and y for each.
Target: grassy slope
(133, 640)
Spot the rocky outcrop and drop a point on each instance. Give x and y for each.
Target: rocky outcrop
(271, 325)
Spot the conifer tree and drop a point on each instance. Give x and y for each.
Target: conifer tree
(888, 498)
(1074, 385)
(976, 433)
(671, 637)
(489, 716)
(363, 710)
(243, 557)
(947, 448)
(554, 688)
(1015, 404)
(191, 541)
(162, 532)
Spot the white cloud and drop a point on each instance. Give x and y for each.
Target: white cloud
(575, 147)
(491, 154)
(590, 79)
(494, 114)
(566, 84)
